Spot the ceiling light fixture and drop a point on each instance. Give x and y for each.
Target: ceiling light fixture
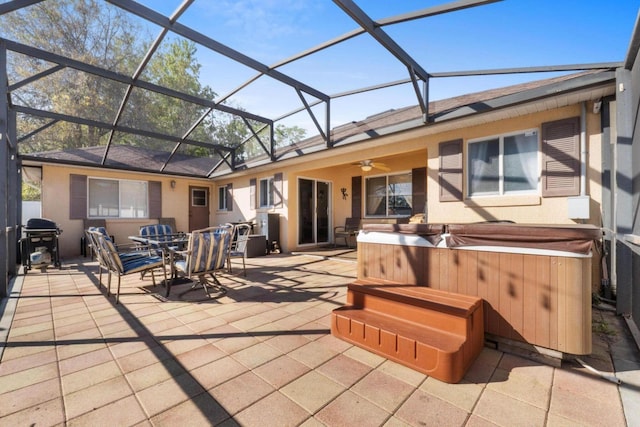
(366, 168)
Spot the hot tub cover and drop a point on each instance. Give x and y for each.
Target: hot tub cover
(577, 238)
(431, 232)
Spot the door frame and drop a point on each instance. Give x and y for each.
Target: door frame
(191, 224)
(315, 212)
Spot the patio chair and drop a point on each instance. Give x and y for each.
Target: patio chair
(238, 247)
(171, 222)
(123, 265)
(206, 254)
(349, 229)
(159, 232)
(126, 252)
(87, 248)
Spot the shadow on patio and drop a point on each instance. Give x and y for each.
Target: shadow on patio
(261, 355)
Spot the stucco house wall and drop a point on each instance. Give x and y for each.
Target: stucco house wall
(401, 151)
(413, 149)
(56, 203)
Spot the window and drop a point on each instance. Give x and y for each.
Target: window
(199, 197)
(111, 198)
(266, 192)
(225, 198)
(388, 195)
(222, 198)
(506, 164)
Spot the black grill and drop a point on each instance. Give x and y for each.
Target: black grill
(39, 246)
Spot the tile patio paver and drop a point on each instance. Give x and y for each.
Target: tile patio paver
(383, 390)
(275, 410)
(263, 355)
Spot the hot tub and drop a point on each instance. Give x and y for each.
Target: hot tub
(535, 280)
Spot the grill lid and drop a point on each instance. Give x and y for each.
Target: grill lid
(41, 223)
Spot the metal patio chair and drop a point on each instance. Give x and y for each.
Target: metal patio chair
(121, 265)
(238, 247)
(206, 254)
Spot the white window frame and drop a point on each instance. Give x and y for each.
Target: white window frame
(222, 198)
(98, 212)
(266, 194)
(501, 174)
(387, 195)
(205, 198)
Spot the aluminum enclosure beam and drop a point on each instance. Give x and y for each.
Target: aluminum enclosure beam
(4, 175)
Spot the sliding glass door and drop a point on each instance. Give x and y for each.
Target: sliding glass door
(313, 211)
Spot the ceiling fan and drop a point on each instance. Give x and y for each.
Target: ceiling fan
(367, 165)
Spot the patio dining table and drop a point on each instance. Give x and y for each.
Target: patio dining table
(166, 244)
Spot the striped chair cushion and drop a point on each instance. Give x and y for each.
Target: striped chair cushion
(141, 264)
(207, 251)
(157, 230)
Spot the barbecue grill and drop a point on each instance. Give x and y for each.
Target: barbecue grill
(40, 244)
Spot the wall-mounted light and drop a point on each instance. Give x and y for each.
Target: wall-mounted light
(344, 193)
(173, 184)
(597, 105)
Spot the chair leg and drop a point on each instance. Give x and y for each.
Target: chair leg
(118, 290)
(202, 281)
(244, 268)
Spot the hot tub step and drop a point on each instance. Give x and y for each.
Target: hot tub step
(431, 331)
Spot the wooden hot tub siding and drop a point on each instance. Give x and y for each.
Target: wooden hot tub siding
(538, 299)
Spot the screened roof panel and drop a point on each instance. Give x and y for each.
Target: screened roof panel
(190, 160)
(94, 38)
(144, 107)
(267, 32)
(44, 135)
(129, 75)
(269, 97)
(74, 93)
(21, 67)
(141, 151)
(374, 68)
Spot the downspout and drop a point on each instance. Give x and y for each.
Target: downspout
(583, 149)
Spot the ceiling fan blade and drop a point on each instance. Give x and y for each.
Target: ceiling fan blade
(381, 166)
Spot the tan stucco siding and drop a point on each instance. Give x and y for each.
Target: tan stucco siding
(56, 199)
(522, 209)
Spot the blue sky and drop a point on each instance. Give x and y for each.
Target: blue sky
(511, 33)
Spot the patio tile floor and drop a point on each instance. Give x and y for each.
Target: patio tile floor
(262, 355)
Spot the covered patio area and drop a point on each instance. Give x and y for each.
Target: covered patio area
(263, 355)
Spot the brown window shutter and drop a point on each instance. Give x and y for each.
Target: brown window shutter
(252, 192)
(450, 172)
(155, 199)
(561, 158)
(278, 199)
(78, 196)
(356, 197)
(229, 197)
(418, 190)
